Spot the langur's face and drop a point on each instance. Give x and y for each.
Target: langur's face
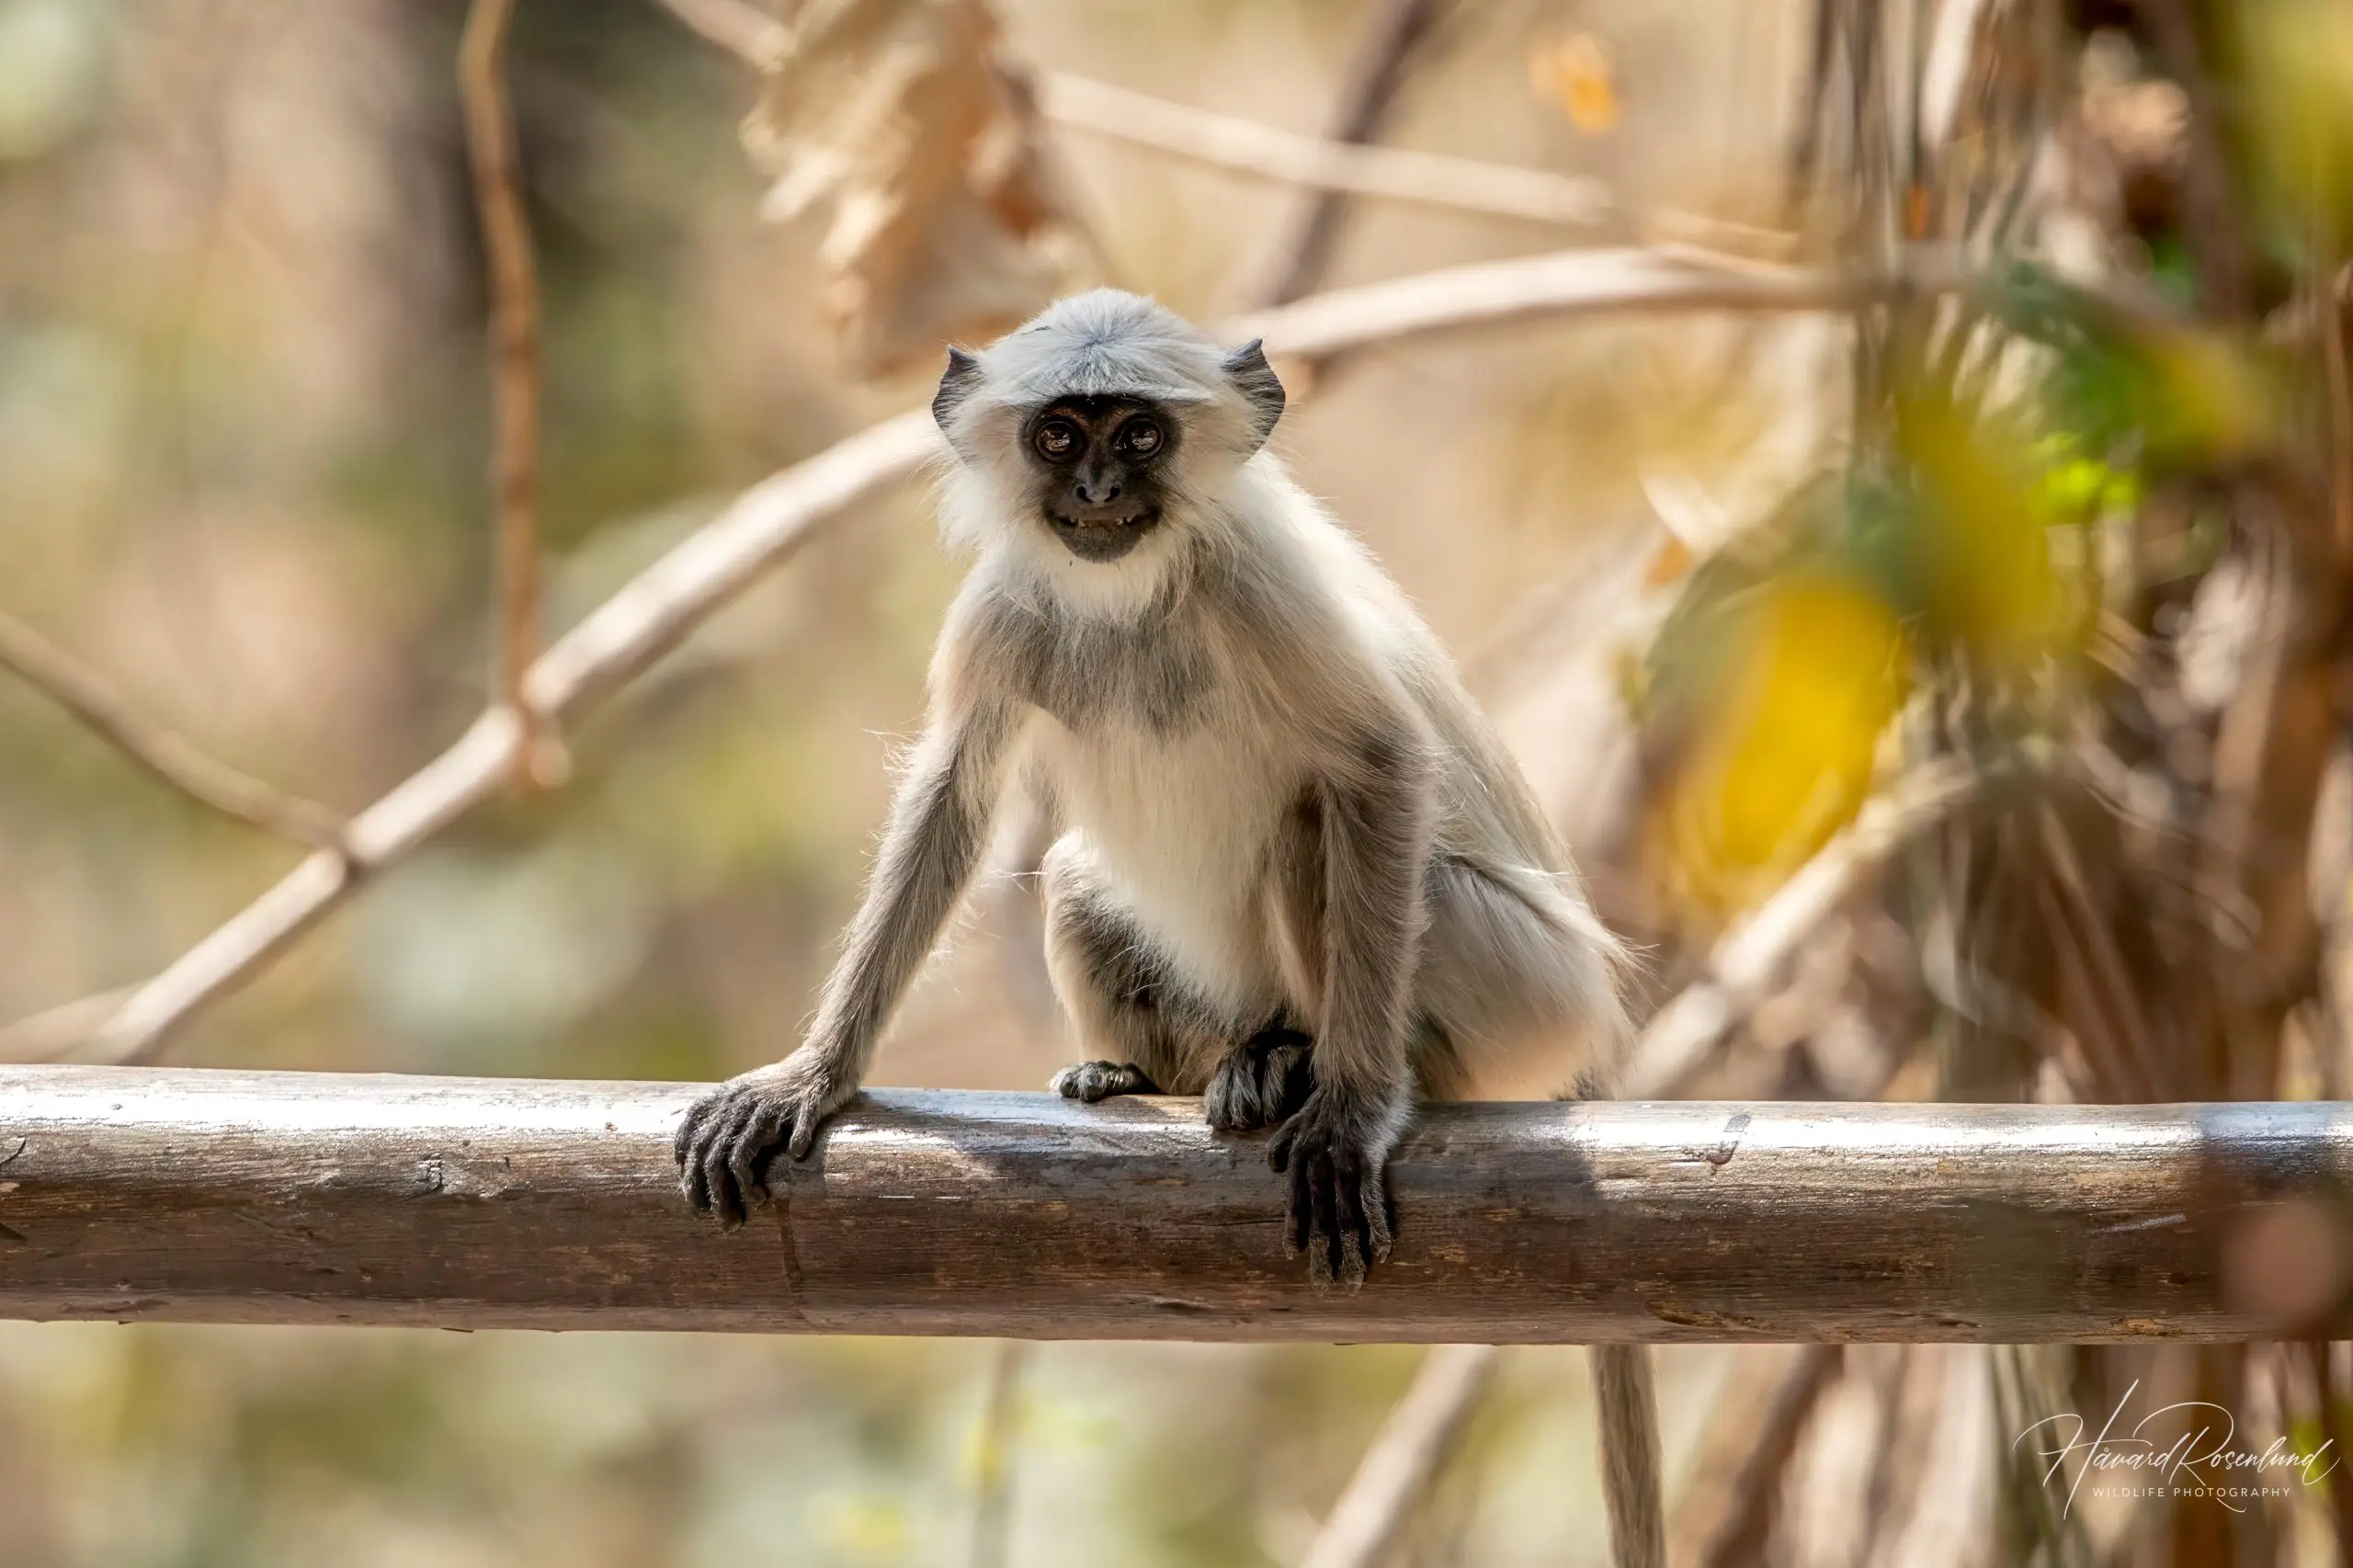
(1100, 462)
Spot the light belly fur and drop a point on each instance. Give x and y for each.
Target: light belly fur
(1181, 825)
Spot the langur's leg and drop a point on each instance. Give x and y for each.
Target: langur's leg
(1115, 988)
(1261, 1081)
(1269, 1075)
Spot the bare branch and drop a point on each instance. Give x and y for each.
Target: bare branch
(993, 1456)
(2316, 1358)
(775, 519)
(1227, 141)
(751, 35)
(54, 1034)
(652, 613)
(2337, 384)
(1744, 1456)
(1567, 283)
(452, 784)
(86, 695)
(515, 361)
(1302, 243)
(619, 639)
(1413, 1445)
(1248, 147)
(2214, 226)
(1745, 960)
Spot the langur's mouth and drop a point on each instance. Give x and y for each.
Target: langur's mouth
(1103, 535)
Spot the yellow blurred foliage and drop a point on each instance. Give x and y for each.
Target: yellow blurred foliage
(2216, 403)
(1577, 73)
(2301, 124)
(1982, 536)
(1784, 760)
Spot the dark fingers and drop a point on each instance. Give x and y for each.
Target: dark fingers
(1324, 1186)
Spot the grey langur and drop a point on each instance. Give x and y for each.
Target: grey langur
(1297, 873)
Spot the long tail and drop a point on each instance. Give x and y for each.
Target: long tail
(1624, 1400)
(1629, 1461)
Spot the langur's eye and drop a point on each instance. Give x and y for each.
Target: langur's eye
(1140, 438)
(1055, 439)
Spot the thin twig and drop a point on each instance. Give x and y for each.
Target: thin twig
(2337, 387)
(515, 365)
(1746, 959)
(1745, 1455)
(993, 1456)
(774, 519)
(1294, 259)
(2111, 1022)
(1406, 1455)
(1813, 103)
(1248, 147)
(1227, 141)
(86, 695)
(2319, 1356)
(2211, 200)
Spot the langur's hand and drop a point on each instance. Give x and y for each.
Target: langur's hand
(727, 1136)
(1336, 1150)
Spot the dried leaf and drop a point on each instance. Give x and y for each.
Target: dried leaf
(897, 119)
(1577, 73)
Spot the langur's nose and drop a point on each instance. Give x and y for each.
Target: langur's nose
(1099, 495)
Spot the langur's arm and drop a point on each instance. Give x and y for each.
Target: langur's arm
(938, 827)
(1377, 825)
(1378, 812)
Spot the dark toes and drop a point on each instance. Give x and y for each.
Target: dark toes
(1354, 1228)
(1306, 1232)
(1323, 1186)
(1093, 1081)
(1261, 1082)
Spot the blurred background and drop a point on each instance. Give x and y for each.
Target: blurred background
(1948, 687)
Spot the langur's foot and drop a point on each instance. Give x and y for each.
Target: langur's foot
(1092, 1081)
(1261, 1081)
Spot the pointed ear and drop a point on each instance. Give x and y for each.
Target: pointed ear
(1260, 387)
(959, 381)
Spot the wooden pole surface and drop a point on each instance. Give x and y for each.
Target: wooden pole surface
(214, 1196)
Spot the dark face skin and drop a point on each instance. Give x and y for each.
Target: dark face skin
(1100, 460)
